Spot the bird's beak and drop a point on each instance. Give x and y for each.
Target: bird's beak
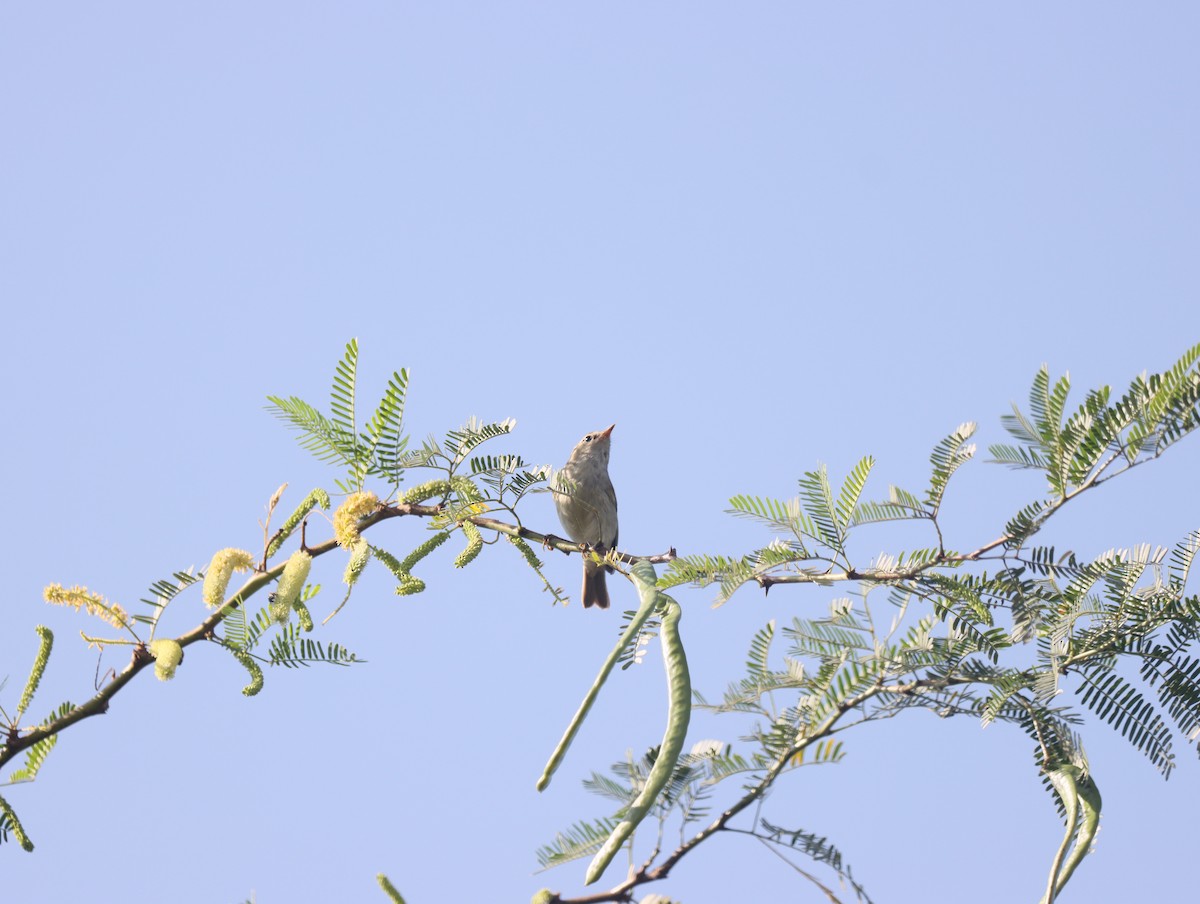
(606, 433)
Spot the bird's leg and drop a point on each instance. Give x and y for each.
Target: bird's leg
(549, 541)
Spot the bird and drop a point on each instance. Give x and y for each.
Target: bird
(588, 511)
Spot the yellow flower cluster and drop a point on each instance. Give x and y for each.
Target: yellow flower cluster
(291, 583)
(360, 554)
(345, 520)
(427, 490)
(474, 544)
(220, 570)
(167, 656)
(93, 603)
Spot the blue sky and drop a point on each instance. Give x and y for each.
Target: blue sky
(755, 237)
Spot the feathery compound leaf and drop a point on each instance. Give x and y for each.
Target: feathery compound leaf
(760, 649)
(328, 441)
(162, 592)
(1004, 688)
(1026, 523)
(824, 639)
(852, 487)
(289, 649)
(1088, 434)
(946, 458)
(817, 498)
(233, 628)
(461, 442)
(1182, 557)
(34, 758)
(1178, 685)
(772, 513)
(1162, 406)
(581, 840)
(701, 570)
(385, 429)
(900, 506)
(1017, 456)
(1120, 705)
(342, 393)
(1047, 405)
(817, 848)
(1019, 426)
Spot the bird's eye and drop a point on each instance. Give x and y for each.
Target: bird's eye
(588, 438)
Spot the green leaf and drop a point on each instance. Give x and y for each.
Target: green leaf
(291, 650)
(385, 428)
(325, 439)
(852, 487)
(947, 457)
(760, 649)
(461, 442)
(342, 393)
(1017, 457)
(817, 498)
(1119, 704)
(581, 840)
(818, 849)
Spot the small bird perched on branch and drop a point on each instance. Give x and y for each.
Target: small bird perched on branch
(588, 511)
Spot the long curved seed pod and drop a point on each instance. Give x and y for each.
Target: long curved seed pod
(1088, 797)
(679, 687)
(1063, 778)
(644, 580)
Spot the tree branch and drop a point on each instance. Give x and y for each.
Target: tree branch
(98, 704)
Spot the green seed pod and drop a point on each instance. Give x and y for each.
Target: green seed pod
(429, 490)
(645, 581)
(39, 669)
(167, 656)
(542, 896)
(220, 570)
(474, 545)
(678, 715)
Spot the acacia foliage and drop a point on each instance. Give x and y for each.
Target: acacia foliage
(1012, 632)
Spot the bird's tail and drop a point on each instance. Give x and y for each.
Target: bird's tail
(595, 588)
